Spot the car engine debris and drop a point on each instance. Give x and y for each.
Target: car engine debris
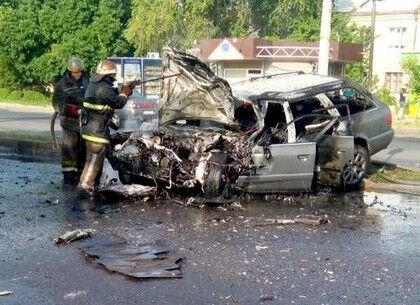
(205, 161)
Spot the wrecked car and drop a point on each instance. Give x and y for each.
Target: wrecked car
(289, 132)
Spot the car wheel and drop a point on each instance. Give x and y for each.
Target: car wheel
(215, 181)
(354, 172)
(125, 177)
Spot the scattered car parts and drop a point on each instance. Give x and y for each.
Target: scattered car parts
(74, 235)
(141, 261)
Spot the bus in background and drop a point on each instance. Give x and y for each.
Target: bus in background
(141, 111)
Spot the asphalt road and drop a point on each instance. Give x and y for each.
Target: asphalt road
(29, 122)
(403, 151)
(368, 254)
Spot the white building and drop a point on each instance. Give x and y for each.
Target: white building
(397, 32)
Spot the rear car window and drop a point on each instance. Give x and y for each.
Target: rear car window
(355, 99)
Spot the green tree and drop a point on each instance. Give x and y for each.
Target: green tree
(38, 36)
(411, 65)
(231, 18)
(168, 22)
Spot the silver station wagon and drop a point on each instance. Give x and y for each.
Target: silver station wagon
(288, 132)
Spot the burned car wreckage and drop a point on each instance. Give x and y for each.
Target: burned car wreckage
(282, 133)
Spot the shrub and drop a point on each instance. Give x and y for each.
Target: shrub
(414, 99)
(15, 95)
(35, 97)
(385, 96)
(4, 93)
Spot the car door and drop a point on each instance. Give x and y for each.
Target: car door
(282, 168)
(286, 167)
(334, 153)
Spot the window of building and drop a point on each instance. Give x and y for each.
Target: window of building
(254, 73)
(235, 75)
(397, 37)
(393, 81)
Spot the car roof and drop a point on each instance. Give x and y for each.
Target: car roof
(286, 86)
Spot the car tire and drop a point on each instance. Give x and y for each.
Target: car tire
(354, 172)
(215, 181)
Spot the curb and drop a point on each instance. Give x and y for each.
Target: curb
(26, 108)
(42, 150)
(393, 165)
(368, 185)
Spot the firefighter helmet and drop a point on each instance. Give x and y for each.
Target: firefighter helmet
(106, 67)
(75, 64)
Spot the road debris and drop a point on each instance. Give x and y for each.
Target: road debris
(73, 295)
(74, 235)
(4, 293)
(131, 190)
(141, 261)
(311, 220)
(267, 297)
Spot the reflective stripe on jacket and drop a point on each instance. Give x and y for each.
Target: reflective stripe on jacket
(98, 108)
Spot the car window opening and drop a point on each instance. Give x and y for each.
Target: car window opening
(275, 124)
(246, 117)
(310, 118)
(356, 101)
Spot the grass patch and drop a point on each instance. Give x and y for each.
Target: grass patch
(378, 173)
(24, 97)
(25, 136)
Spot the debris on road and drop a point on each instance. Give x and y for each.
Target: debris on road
(311, 220)
(141, 261)
(131, 190)
(259, 248)
(4, 293)
(73, 295)
(267, 297)
(74, 235)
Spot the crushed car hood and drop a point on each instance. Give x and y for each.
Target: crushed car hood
(191, 91)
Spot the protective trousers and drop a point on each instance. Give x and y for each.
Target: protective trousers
(72, 156)
(95, 155)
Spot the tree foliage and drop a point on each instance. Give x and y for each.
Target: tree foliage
(168, 22)
(38, 36)
(411, 65)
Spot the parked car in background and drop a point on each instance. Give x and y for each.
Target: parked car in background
(139, 114)
(141, 111)
(282, 133)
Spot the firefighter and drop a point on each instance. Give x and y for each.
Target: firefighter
(68, 95)
(100, 100)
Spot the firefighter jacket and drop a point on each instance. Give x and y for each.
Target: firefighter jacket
(67, 99)
(98, 108)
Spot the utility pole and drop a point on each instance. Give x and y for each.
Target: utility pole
(324, 41)
(372, 44)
